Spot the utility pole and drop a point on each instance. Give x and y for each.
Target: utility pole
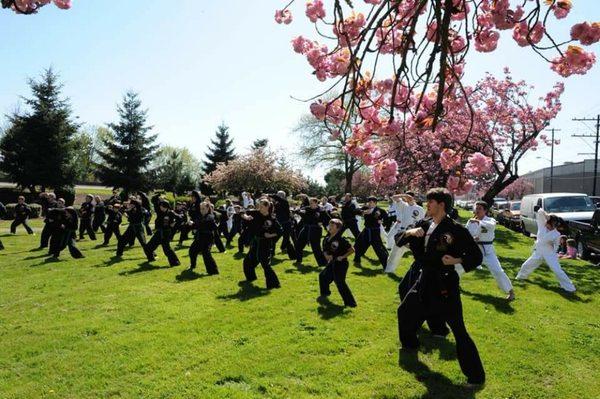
(553, 130)
(597, 140)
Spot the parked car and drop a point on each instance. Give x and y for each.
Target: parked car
(596, 201)
(587, 236)
(511, 216)
(568, 206)
(498, 207)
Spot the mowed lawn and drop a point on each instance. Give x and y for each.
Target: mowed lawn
(98, 328)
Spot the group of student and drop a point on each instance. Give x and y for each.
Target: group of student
(442, 249)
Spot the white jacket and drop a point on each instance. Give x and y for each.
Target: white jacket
(546, 240)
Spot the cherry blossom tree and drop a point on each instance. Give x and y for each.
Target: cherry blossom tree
(33, 6)
(396, 63)
(259, 171)
(518, 189)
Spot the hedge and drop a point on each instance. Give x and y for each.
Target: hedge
(36, 211)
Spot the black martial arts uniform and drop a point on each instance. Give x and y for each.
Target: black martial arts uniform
(311, 232)
(64, 235)
(435, 293)
(135, 214)
(371, 236)
(113, 221)
(147, 213)
(163, 232)
(86, 212)
(47, 230)
(260, 247)
(284, 217)
(348, 215)
(22, 213)
(99, 217)
(204, 226)
(221, 216)
(2, 215)
(336, 270)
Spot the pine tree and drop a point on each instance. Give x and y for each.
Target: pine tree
(260, 144)
(130, 151)
(221, 150)
(37, 148)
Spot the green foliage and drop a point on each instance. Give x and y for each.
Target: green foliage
(314, 188)
(97, 328)
(259, 143)
(36, 211)
(221, 151)
(335, 179)
(37, 148)
(177, 170)
(130, 150)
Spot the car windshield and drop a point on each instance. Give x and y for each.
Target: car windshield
(568, 204)
(515, 206)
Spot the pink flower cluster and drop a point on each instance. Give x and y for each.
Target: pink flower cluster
(283, 16)
(326, 65)
(575, 61)
(586, 33)
(315, 10)
(386, 172)
(562, 8)
(478, 164)
(30, 6)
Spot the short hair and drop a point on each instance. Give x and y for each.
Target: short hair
(411, 193)
(571, 242)
(313, 199)
(483, 204)
(21, 198)
(372, 198)
(441, 195)
(554, 221)
(337, 222)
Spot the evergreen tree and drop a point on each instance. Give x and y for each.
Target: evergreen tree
(37, 148)
(260, 144)
(221, 150)
(125, 162)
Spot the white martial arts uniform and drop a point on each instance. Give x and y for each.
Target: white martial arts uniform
(246, 200)
(406, 216)
(484, 234)
(545, 250)
(230, 213)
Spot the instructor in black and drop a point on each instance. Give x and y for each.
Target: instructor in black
(435, 293)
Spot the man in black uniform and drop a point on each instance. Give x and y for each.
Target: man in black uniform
(263, 227)
(283, 215)
(440, 243)
(86, 212)
(371, 234)
(49, 201)
(99, 215)
(336, 250)
(65, 233)
(113, 221)
(204, 225)
(22, 213)
(164, 224)
(348, 214)
(313, 217)
(135, 214)
(114, 198)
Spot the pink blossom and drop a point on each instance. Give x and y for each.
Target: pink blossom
(315, 10)
(575, 61)
(283, 17)
(586, 33)
(525, 36)
(478, 164)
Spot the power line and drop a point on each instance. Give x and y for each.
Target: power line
(596, 142)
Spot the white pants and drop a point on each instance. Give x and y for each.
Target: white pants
(490, 260)
(394, 258)
(536, 259)
(395, 229)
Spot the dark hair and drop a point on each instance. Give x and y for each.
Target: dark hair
(337, 222)
(441, 195)
(372, 198)
(571, 242)
(411, 193)
(554, 221)
(483, 204)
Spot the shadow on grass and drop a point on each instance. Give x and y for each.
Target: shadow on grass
(36, 257)
(500, 304)
(431, 343)
(143, 267)
(367, 272)
(303, 269)
(438, 385)
(239, 255)
(246, 292)
(328, 310)
(393, 276)
(189, 275)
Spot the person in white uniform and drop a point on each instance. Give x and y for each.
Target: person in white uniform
(545, 250)
(483, 230)
(408, 213)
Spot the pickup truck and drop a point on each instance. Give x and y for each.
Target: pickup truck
(587, 236)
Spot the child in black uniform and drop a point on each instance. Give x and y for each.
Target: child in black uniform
(86, 212)
(164, 224)
(22, 213)
(336, 250)
(204, 224)
(67, 233)
(113, 221)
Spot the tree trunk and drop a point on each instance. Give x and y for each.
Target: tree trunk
(497, 188)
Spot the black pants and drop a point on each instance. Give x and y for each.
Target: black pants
(132, 232)
(46, 234)
(16, 222)
(243, 240)
(336, 272)
(419, 306)
(371, 236)
(98, 223)
(310, 234)
(111, 229)
(218, 242)
(352, 225)
(1, 245)
(202, 245)
(161, 237)
(85, 225)
(286, 239)
(260, 252)
(65, 239)
(147, 220)
(184, 233)
(235, 229)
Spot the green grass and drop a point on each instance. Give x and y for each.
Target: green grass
(94, 328)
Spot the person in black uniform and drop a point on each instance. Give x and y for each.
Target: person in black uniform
(221, 216)
(348, 214)
(283, 215)
(115, 198)
(236, 224)
(113, 221)
(163, 231)
(66, 233)
(147, 209)
(22, 213)
(204, 225)
(313, 218)
(2, 215)
(371, 234)
(50, 202)
(263, 228)
(336, 250)
(440, 243)
(99, 215)
(135, 214)
(181, 225)
(86, 212)
(244, 238)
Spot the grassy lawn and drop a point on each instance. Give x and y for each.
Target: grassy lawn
(94, 328)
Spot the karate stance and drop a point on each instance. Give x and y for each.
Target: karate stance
(408, 213)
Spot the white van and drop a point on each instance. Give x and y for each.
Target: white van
(568, 206)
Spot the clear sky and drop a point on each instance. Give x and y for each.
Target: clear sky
(199, 62)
